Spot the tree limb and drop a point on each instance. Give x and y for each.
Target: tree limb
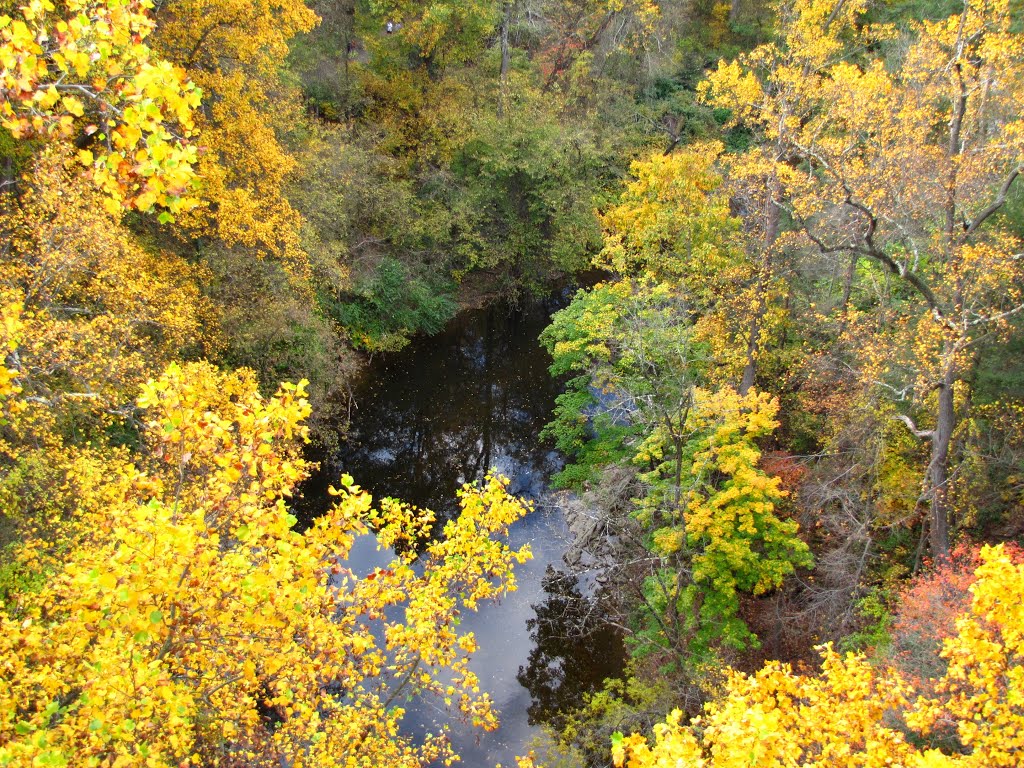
(995, 205)
(923, 434)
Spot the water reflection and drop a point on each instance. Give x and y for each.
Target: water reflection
(438, 414)
(446, 409)
(574, 649)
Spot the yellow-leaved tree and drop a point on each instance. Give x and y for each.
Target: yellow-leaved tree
(97, 314)
(102, 313)
(900, 164)
(673, 224)
(234, 50)
(191, 624)
(856, 714)
(82, 69)
(708, 515)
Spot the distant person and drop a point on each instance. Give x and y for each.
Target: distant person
(389, 27)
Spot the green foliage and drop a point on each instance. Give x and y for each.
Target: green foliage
(582, 431)
(15, 579)
(671, 104)
(999, 375)
(712, 516)
(631, 345)
(876, 618)
(903, 11)
(322, 59)
(569, 430)
(576, 337)
(390, 306)
(437, 33)
(608, 444)
(271, 329)
(523, 196)
(626, 704)
(702, 32)
(355, 203)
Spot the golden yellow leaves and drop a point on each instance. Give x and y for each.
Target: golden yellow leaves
(866, 128)
(672, 742)
(101, 313)
(234, 51)
(11, 329)
(734, 88)
(88, 63)
(205, 421)
(667, 215)
(738, 540)
(983, 687)
(816, 28)
(672, 225)
(856, 714)
(194, 608)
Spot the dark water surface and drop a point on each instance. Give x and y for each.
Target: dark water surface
(440, 413)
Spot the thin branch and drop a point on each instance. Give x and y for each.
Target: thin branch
(403, 682)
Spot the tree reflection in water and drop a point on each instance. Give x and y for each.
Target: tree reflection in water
(447, 409)
(574, 649)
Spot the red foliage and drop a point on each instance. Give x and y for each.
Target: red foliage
(784, 466)
(929, 607)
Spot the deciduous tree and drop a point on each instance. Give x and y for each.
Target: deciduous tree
(863, 169)
(83, 70)
(707, 511)
(856, 714)
(234, 51)
(193, 625)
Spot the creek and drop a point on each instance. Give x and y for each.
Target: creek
(442, 412)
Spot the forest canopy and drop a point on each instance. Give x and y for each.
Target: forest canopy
(791, 393)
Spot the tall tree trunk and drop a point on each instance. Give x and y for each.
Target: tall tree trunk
(506, 56)
(945, 420)
(754, 340)
(348, 33)
(937, 474)
(844, 304)
(938, 469)
(772, 214)
(734, 11)
(836, 10)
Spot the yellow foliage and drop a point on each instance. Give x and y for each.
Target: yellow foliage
(982, 691)
(883, 180)
(194, 626)
(672, 224)
(901, 162)
(850, 714)
(85, 70)
(98, 313)
(672, 219)
(233, 50)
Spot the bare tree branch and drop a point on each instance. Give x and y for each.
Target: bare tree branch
(996, 204)
(923, 434)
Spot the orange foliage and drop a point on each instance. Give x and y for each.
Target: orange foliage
(927, 609)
